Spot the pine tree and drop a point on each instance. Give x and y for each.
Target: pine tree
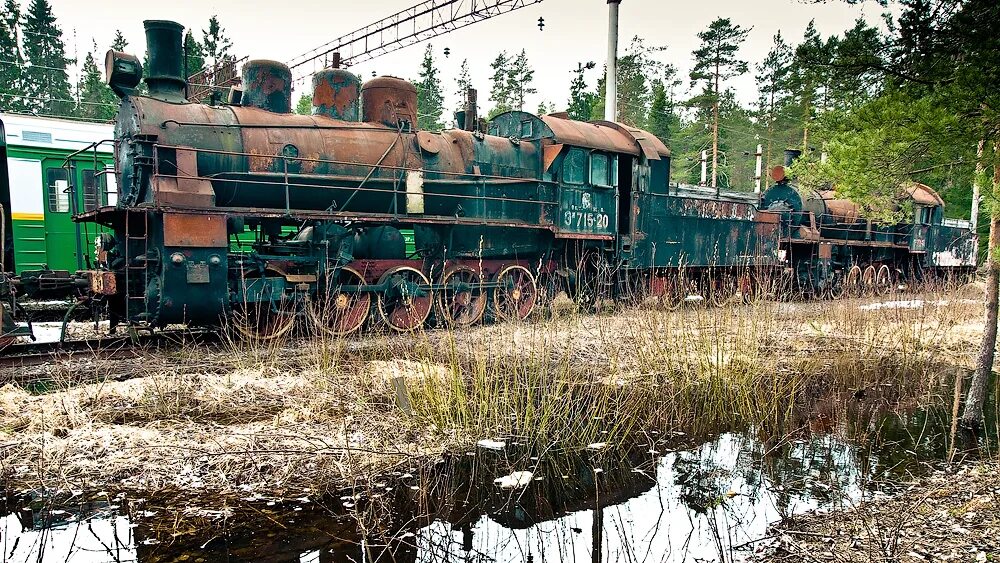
(11, 61)
(853, 75)
(119, 43)
(716, 62)
(215, 44)
(46, 83)
(772, 76)
(519, 77)
(96, 101)
(581, 100)
(808, 78)
(430, 100)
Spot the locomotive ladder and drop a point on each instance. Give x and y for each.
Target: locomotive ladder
(136, 267)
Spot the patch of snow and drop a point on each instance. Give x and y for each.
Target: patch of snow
(515, 480)
(488, 444)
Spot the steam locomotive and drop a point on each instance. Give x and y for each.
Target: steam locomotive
(240, 208)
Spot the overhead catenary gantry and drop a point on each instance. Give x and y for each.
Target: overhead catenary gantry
(410, 26)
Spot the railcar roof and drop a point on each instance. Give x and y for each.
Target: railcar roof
(703, 192)
(54, 133)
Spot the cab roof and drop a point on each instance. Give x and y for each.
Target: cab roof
(601, 135)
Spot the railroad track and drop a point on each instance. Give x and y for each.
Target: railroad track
(109, 347)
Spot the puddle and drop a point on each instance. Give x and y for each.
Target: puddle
(675, 498)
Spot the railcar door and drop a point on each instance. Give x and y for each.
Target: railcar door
(60, 232)
(27, 213)
(627, 168)
(7, 264)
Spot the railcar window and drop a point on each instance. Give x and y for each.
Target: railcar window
(58, 190)
(575, 166)
(614, 171)
(599, 170)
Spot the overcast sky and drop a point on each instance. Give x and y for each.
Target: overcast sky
(575, 31)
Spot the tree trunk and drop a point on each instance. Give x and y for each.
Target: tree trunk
(715, 132)
(972, 416)
(770, 130)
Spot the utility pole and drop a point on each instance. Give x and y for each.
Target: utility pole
(611, 79)
(974, 219)
(758, 169)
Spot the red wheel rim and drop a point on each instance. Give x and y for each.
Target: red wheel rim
(462, 302)
(340, 313)
(516, 293)
(401, 306)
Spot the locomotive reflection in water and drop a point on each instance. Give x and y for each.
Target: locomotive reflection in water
(244, 208)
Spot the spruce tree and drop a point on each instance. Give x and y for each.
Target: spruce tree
(430, 100)
(215, 45)
(96, 101)
(11, 61)
(462, 84)
(581, 100)
(194, 54)
(46, 83)
(662, 121)
(637, 70)
(304, 105)
(716, 62)
(119, 43)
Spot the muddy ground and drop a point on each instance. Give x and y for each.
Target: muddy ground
(951, 515)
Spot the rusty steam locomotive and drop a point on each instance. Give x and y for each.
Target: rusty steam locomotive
(244, 208)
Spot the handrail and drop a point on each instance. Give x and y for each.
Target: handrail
(286, 179)
(347, 163)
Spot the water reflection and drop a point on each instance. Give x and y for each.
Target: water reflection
(673, 499)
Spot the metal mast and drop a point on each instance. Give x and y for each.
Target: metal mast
(421, 22)
(611, 79)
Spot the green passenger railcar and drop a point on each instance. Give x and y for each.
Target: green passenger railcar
(46, 183)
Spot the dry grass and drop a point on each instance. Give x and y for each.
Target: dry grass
(306, 413)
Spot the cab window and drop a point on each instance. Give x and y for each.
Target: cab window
(924, 215)
(575, 166)
(93, 194)
(603, 170)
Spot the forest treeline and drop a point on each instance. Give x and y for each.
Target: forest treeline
(34, 64)
(851, 91)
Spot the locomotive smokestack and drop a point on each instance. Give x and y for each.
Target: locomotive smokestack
(165, 75)
(791, 155)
